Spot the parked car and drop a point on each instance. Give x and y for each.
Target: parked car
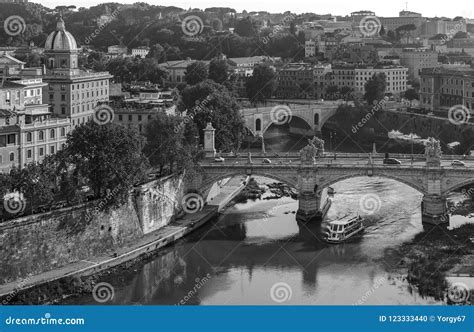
(458, 163)
(219, 160)
(391, 161)
(266, 161)
(151, 176)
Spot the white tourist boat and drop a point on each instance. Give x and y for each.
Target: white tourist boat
(340, 230)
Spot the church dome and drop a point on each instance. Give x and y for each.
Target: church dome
(60, 40)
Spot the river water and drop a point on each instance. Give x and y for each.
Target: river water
(256, 253)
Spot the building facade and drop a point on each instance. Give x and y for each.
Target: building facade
(141, 51)
(28, 130)
(396, 78)
(417, 59)
(447, 86)
(71, 92)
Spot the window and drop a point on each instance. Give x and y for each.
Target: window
(139, 118)
(41, 135)
(28, 154)
(130, 118)
(11, 139)
(29, 137)
(63, 97)
(63, 110)
(258, 125)
(41, 152)
(51, 150)
(52, 133)
(63, 132)
(51, 96)
(12, 156)
(120, 117)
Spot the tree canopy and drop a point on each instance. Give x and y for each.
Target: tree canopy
(375, 88)
(262, 84)
(109, 157)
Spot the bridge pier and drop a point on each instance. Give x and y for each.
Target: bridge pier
(309, 207)
(433, 210)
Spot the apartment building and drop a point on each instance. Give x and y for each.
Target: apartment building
(447, 86)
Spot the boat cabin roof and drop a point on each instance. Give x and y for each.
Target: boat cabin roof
(344, 221)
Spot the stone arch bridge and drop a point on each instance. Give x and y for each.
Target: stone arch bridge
(314, 114)
(433, 176)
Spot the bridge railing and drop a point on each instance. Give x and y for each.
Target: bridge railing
(296, 155)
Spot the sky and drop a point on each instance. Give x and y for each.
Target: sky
(428, 8)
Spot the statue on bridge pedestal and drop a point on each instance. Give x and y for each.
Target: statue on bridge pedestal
(433, 152)
(314, 150)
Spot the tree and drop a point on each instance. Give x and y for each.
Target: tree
(212, 102)
(261, 85)
(158, 52)
(109, 157)
(382, 31)
(331, 91)
(218, 70)
(245, 28)
(293, 28)
(375, 88)
(405, 31)
(35, 181)
(411, 94)
(196, 72)
(164, 142)
(345, 91)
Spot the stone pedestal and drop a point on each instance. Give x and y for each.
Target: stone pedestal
(209, 141)
(433, 210)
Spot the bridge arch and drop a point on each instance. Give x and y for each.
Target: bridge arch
(412, 184)
(209, 181)
(459, 185)
(306, 121)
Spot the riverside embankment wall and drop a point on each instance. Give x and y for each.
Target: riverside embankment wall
(34, 244)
